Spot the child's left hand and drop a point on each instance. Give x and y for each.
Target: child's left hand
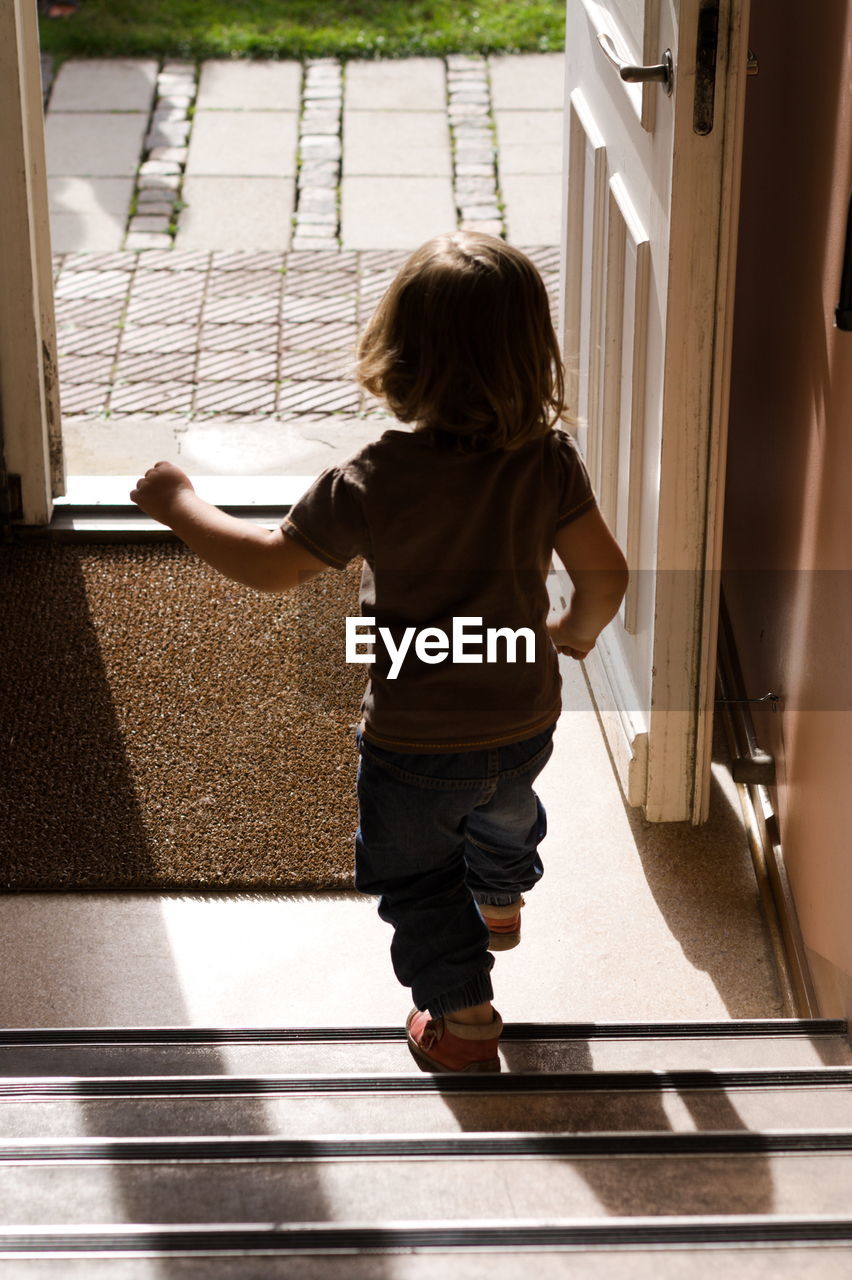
(159, 488)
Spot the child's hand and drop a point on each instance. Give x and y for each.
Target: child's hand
(571, 645)
(157, 491)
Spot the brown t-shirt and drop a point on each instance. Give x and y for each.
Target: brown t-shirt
(447, 535)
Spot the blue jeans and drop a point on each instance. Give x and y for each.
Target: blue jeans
(437, 835)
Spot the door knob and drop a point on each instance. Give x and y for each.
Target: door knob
(661, 71)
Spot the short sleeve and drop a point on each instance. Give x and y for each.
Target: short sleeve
(328, 520)
(575, 493)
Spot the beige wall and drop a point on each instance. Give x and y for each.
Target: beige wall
(788, 522)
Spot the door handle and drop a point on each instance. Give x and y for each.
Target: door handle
(661, 71)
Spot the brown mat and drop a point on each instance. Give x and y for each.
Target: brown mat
(164, 728)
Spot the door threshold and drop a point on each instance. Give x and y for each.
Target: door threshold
(98, 508)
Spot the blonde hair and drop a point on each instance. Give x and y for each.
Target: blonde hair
(462, 342)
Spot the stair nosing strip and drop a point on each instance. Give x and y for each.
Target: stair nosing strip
(81, 1087)
(781, 1028)
(470, 1146)
(444, 1237)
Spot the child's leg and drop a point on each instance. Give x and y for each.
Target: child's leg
(502, 834)
(410, 850)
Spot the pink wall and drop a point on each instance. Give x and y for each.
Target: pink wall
(788, 522)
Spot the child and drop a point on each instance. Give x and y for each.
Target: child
(456, 521)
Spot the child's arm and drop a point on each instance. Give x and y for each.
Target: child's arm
(599, 574)
(262, 558)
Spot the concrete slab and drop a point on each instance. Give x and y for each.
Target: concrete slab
(248, 86)
(533, 208)
(396, 142)
(90, 195)
(395, 213)
(399, 84)
(530, 141)
(94, 144)
(264, 446)
(118, 446)
(236, 213)
(249, 143)
(105, 84)
(92, 230)
(527, 80)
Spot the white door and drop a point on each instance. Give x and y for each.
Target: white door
(652, 175)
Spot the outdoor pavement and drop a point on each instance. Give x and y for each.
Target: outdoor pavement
(222, 232)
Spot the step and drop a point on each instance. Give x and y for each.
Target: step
(624, 1262)
(365, 1180)
(764, 1263)
(316, 1105)
(535, 1047)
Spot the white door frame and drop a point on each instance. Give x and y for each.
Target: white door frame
(29, 391)
(662, 750)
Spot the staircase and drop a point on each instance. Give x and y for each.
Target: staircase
(603, 1150)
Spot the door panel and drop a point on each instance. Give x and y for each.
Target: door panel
(649, 214)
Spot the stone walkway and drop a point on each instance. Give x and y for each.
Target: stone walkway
(221, 234)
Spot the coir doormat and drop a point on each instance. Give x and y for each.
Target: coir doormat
(164, 728)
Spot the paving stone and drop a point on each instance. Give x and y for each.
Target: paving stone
(335, 262)
(84, 397)
(304, 445)
(72, 339)
(324, 281)
(243, 143)
(174, 260)
(159, 337)
(319, 147)
(324, 223)
(300, 366)
(530, 141)
(404, 143)
(159, 169)
(240, 260)
(465, 169)
(527, 80)
(267, 85)
(158, 397)
(322, 93)
(158, 366)
(468, 110)
(104, 84)
(158, 207)
(466, 156)
(85, 368)
(318, 199)
(480, 213)
(241, 309)
(177, 67)
(319, 173)
(222, 213)
(318, 397)
(398, 84)
(90, 195)
(533, 205)
(236, 283)
(321, 123)
(157, 223)
(92, 284)
(177, 103)
(93, 144)
(318, 336)
(298, 308)
(475, 186)
(166, 286)
(464, 62)
(90, 312)
(237, 366)
(159, 182)
(167, 133)
(238, 337)
(235, 397)
(177, 308)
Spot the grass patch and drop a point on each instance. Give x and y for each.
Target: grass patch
(304, 28)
